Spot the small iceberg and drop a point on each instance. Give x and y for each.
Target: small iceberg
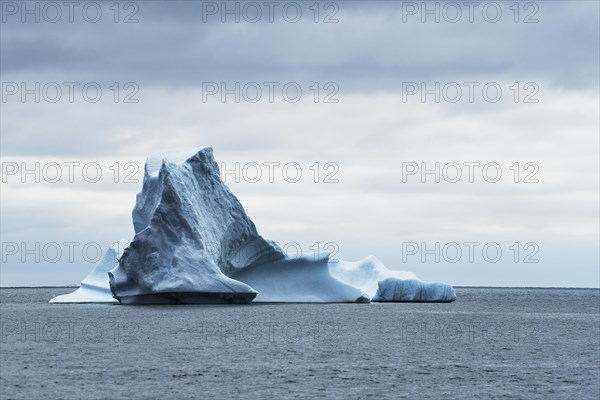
(400, 290)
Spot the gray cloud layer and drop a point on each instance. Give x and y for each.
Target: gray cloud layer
(370, 48)
(368, 134)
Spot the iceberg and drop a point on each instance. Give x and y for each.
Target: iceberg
(194, 243)
(95, 288)
(399, 290)
(182, 213)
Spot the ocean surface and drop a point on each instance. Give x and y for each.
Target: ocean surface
(490, 343)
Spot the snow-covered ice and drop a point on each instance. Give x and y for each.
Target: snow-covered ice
(305, 279)
(365, 274)
(94, 288)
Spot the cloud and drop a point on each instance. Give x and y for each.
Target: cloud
(364, 139)
(374, 46)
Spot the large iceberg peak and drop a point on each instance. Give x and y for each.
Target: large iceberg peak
(191, 233)
(178, 156)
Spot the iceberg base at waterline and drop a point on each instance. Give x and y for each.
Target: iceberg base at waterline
(188, 298)
(194, 243)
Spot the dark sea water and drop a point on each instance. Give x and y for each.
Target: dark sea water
(490, 343)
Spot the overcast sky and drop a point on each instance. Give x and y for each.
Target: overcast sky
(515, 89)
